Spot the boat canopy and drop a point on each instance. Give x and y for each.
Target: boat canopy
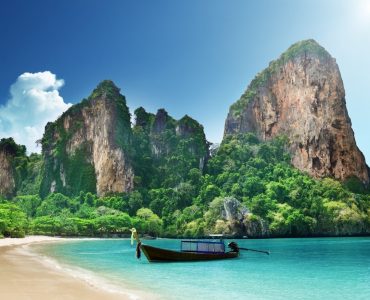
(203, 246)
(217, 235)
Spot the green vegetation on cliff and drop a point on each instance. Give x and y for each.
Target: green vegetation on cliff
(277, 200)
(70, 172)
(247, 187)
(166, 149)
(292, 203)
(78, 172)
(25, 169)
(8, 146)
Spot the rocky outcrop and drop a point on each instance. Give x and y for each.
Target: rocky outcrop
(13, 167)
(238, 221)
(167, 137)
(162, 127)
(93, 148)
(86, 149)
(7, 180)
(233, 210)
(188, 129)
(301, 96)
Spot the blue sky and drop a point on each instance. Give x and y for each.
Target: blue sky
(190, 57)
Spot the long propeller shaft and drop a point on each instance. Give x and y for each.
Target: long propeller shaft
(261, 251)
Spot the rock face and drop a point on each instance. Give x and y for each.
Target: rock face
(162, 124)
(301, 96)
(165, 133)
(86, 148)
(165, 146)
(13, 166)
(7, 180)
(240, 221)
(92, 147)
(233, 210)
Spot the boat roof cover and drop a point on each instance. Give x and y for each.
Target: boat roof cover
(203, 246)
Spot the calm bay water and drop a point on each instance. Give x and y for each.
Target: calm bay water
(320, 268)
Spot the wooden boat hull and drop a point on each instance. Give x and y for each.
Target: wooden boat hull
(154, 254)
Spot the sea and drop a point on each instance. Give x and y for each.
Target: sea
(300, 268)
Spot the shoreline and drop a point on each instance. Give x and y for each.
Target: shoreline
(25, 274)
(30, 239)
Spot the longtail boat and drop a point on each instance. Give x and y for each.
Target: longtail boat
(191, 250)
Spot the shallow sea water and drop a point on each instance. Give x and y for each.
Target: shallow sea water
(315, 268)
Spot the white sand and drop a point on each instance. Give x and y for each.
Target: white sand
(23, 277)
(28, 240)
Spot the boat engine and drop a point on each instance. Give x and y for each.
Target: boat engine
(233, 246)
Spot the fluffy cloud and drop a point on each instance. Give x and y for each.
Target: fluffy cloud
(34, 101)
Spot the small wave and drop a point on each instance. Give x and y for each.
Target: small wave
(86, 276)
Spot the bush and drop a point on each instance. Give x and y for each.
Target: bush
(13, 222)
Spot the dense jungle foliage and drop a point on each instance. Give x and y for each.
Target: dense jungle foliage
(189, 203)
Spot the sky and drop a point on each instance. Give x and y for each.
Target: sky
(192, 57)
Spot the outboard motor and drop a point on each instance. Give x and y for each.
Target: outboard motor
(233, 246)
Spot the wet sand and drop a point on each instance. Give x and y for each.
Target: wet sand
(22, 276)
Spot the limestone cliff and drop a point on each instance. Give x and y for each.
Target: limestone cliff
(7, 179)
(165, 146)
(13, 167)
(167, 134)
(93, 148)
(86, 149)
(301, 95)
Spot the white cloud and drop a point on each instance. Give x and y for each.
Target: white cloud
(34, 101)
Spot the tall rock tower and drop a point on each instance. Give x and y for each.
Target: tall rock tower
(86, 149)
(301, 95)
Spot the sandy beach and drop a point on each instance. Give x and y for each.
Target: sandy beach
(22, 276)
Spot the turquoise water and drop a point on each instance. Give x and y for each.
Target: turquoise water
(320, 268)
